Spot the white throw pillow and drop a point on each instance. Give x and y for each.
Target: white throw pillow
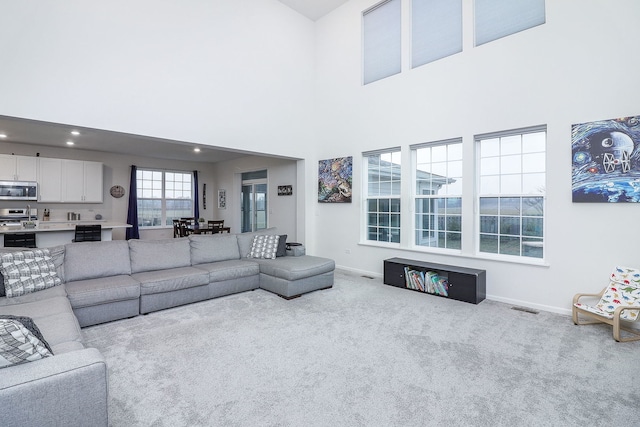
(264, 246)
(28, 271)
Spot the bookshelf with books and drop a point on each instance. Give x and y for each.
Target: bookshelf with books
(459, 283)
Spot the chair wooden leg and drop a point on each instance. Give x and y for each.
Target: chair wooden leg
(635, 334)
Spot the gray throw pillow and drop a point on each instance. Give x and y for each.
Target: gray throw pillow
(282, 246)
(18, 344)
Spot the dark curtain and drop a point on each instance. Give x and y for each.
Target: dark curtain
(196, 206)
(132, 215)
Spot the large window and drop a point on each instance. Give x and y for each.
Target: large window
(436, 30)
(381, 41)
(438, 195)
(511, 193)
(499, 18)
(383, 196)
(163, 196)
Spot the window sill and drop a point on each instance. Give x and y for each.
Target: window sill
(459, 254)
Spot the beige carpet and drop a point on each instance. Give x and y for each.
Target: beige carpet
(364, 354)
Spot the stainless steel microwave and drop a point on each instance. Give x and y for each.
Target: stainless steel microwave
(18, 190)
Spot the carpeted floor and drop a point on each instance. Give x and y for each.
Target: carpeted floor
(364, 354)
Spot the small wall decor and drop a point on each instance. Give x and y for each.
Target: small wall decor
(222, 199)
(117, 191)
(335, 180)
(204, 196)
(285, 190)
(606, 161)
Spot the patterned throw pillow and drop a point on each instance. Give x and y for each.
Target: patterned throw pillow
(264, 246)
(18, 344)
(28, 271)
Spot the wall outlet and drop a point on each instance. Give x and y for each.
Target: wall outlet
(347, 251)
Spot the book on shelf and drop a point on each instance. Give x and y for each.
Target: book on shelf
(414, 279)
(426, 281)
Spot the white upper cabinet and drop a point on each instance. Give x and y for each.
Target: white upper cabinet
(49, 180)
(81, 182)
(18, 168)
(70, 181)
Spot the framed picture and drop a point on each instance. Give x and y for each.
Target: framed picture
(222, 199)
(334, 180)
(606, 161)
(285, 190)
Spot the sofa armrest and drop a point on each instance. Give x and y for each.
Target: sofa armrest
(68, 389)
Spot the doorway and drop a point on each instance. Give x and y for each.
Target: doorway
(253, 201)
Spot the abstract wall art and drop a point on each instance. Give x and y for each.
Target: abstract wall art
(606, 161)
(335, 180)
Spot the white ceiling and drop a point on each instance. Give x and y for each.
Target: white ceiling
(313, 9)
(56, 135)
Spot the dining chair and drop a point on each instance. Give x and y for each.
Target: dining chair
(216, 225)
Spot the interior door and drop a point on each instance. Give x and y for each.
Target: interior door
(253, 205)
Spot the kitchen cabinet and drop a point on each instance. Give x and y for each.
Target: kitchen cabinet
(70, 181)
(18, 168)
(81, 182)
(49, 180)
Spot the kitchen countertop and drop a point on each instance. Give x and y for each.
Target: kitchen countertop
(45, 226)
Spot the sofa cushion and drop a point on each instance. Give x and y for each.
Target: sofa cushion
(264, 246)
(246, 239)
(18, 344)
(87, 293)
(28, 271)
(229, 270)
(155, 282)
(56, 291)
(89, 260)
(213, 247)
(150, 255)
(295, 268)
(54, 317)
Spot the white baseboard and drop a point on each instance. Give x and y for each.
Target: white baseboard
(541, 307)
(519, 303)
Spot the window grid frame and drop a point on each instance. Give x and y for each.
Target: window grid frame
(529, 246)
(165, 202)
(435, 219)
(386, 230)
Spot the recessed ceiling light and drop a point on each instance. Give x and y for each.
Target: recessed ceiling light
(2, 135)
(75, 133)
(197, 150)
(70, 143)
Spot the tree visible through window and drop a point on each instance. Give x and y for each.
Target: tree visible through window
(163, 196)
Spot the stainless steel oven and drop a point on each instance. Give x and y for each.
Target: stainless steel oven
(18, 190)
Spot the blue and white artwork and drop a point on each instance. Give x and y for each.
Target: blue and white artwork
(606, 161)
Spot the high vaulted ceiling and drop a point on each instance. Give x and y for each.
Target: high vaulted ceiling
(313, 9)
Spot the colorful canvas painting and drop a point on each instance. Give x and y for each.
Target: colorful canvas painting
(606, 161)
(334, 180)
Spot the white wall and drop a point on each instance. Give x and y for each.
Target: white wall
(282, 210)
(235, 74)
(576, 68)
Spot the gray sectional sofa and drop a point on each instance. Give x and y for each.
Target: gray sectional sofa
(111, 280)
